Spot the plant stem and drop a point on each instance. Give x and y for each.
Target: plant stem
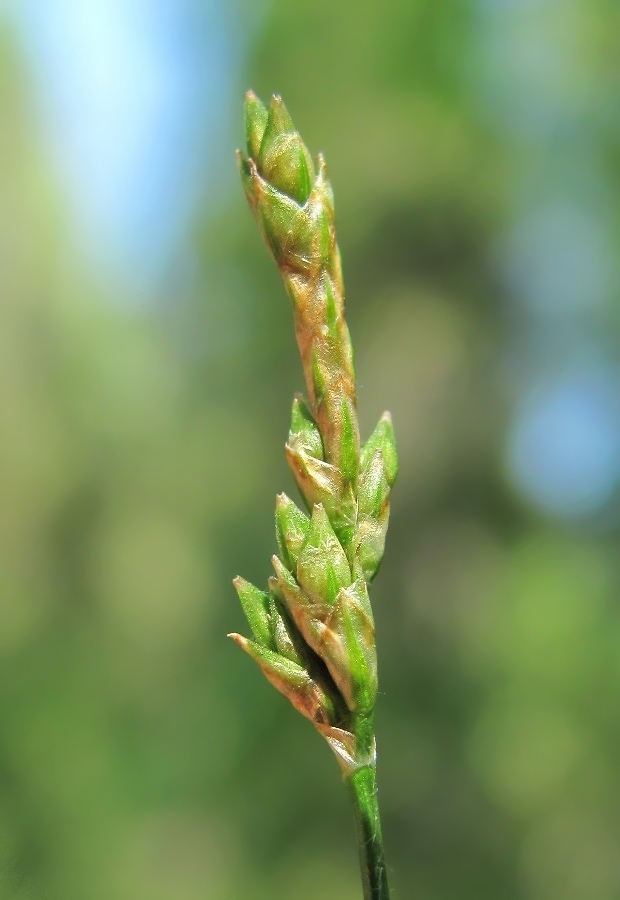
(318, 604)
(363, 790)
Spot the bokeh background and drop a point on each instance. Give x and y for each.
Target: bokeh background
(147, 365)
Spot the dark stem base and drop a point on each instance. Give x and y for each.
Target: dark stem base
(363, 790)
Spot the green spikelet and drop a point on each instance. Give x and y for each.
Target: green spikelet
(314, 630)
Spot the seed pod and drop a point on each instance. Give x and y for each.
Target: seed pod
(318, 481)
(279, 217)
(374, 490)
(370, 543)
(322, 566)
(283, 159)
(306, 614)
(304, 432)
(382, 439)
(292, 528)
(373, 513)
(349, 644)
(321, 483)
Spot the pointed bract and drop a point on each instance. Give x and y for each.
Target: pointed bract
(292, 528)
(255, 605)
(255, 124)
(292, 680)
(292, 595)
(323, 185)
(382, 439)
(279, 122)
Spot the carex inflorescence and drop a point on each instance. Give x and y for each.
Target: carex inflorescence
(313, 628)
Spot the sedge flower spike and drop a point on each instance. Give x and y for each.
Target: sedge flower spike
(313, 628)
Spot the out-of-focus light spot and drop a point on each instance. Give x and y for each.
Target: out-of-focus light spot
(132, 96)
(564, 445)
(557, 260)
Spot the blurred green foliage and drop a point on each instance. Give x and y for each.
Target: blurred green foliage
(140, 754)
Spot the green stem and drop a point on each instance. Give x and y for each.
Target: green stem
(363, 790)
